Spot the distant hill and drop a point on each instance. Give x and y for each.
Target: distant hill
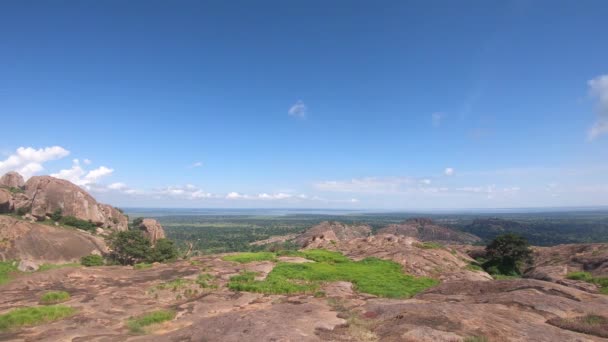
(425, 229)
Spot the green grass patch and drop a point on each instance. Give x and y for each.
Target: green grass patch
(138, 324)
(249, 257)
(6, 269)
(474, 267)
(142, 266)
(34, 315)
(601, 282)
(46, 267)
(590, 324)
(371, 275)
(203, 280)
(174, 285)
(54, 297)
(428, 245)
(505, 277)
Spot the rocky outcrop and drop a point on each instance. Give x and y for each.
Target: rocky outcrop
(332, 231)
(6, 201)
(443, 263)
(35, 243)
(425, 229)
(152, 230)
(46, 194)
(12, 180)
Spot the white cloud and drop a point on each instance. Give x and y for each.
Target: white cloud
(117, 186)
(29, 161)
(366, 185)
(79, 176)
(87, 162)
(448, 171)
(187, 191)
(197, 164)
(436, 119)
(298, 110)
(599, 89)
(425, 181)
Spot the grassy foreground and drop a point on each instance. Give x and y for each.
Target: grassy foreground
(34, 315)
(54, 297)
(371, 275)
(6, 268)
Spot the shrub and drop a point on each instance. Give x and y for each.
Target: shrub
(54, 297)
(34, 315)
(129, 247)
(92, 260)
(507, 254)
(57, 215)
(601, 282)
(46, 267)
(142, 266)
(164, 250)
(137, 324)
(23, 210)
(78, 223)
(589, 324)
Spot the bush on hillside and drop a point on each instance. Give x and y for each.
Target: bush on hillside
(164, 250)
(507, 255)
(92, 260)
(129, 247)
(57, 215)
(78, 223)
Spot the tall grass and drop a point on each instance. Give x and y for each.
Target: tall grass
(34, 315)
(137, 324)
(54, 297)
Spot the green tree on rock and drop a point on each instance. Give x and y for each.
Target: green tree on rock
(507, 254)
(129, 247)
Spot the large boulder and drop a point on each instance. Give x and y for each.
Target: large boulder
(6, 201)
(12, 180)
(40, 243)
(47, 194)
(332, 231)
(152, 230)
(425, 229)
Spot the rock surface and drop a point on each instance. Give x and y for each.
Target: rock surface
(12, 180)
(332, 231)
(6, 201)
(47, 194)
(426, 230)
(40, 243)
(152, 230)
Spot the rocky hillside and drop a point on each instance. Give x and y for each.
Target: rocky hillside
(332, 231)
(35, 244)
(425, 229)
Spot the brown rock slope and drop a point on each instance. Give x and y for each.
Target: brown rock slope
(152, 230)
(426, 230)
(39, 243)
(332, 231)
(12, 180)
(554, 263)
(416, 257)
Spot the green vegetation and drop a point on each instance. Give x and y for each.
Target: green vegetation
(474, 267)
(428, 245)
(601, 282)
(57, 215)
(92, 260)
(12, 189)
(476, 339)
(371, 275)
(137, 324)
(507, 255)
(6, 269)
(78, 223)
(142, 266)
(54, 297)
(249, 257)
(203, 280)
(46, 267)
(34, 315)
(174, 285)
(163, 251)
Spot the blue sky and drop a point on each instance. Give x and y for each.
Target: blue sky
(338, 104)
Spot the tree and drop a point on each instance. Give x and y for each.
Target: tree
(57, 215)
(507, 254)
(164, 250)
(129, 247)
(92, 260)
(136, 223)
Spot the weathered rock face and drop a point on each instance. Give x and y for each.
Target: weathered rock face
(152, 230)
(39, 243)
(425, 229)
(12, 180)
(47, 194)
(554, 263)
(6, 201)
(332, 231)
